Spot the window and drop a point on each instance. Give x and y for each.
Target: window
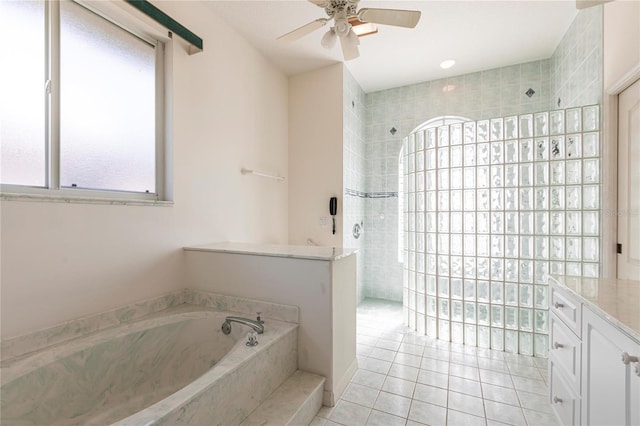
(22, 109)
(82, 103)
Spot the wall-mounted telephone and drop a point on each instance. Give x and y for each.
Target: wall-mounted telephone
(333, 208)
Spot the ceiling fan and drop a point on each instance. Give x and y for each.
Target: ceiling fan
(346, 17)
(583, 4)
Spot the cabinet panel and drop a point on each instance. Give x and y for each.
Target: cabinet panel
(610, 388)
(563, 401)
(567, 308)
(565, 350)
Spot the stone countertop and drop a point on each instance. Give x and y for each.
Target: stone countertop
(295, 252)
(617, 300)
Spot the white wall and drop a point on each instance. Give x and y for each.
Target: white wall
(621, 57)
(61, 261)
(315, 155)
(621, 39)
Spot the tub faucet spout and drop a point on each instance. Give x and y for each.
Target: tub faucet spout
(255, 325)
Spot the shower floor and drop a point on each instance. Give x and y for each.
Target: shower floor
(408, 379)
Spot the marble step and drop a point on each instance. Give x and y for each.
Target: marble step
(294, 403)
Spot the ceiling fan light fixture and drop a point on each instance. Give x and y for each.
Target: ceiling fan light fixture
(329, 39)
(362, 28)
(353, 38)
(342, 27)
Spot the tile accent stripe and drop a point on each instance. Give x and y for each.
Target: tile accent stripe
(361, 194)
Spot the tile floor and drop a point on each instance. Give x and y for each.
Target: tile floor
(407, 379)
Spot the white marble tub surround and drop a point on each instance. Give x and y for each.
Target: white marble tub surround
(617, 300)
(162, 368)
(20, 345)
(17, 345)
(320, 281)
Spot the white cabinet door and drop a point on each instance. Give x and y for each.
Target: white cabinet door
(564, 402)
(610, 388)
(629, 182)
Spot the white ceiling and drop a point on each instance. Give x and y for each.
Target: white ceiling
(478, 34)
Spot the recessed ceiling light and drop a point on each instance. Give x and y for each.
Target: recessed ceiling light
(447, 64)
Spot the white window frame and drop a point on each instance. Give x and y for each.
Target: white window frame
(132, 21)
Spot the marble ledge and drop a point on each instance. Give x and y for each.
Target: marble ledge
(617, 300)
(19, 345)
(270, 250)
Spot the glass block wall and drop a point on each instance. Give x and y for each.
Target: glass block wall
(491, 208)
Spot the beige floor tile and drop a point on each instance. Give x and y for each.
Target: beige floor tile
(393, 404)
(433, 378)
(368, 378)
(351, 414)
(456, 418)
(430, 394)
(466, 386)
(399, 386)
(404, 372)
(466, 404)
(359, 394)
(378, 418)
(500, 394)
(426, 413)
(504, 413)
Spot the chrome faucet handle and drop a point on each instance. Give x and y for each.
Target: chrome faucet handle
(258, 317)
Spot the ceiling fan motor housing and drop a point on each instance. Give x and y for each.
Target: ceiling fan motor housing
(337, 8)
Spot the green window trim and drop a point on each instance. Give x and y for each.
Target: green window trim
(169, 23)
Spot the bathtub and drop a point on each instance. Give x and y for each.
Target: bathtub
(174, 367)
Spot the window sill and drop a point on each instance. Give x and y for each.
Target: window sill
(71, 199)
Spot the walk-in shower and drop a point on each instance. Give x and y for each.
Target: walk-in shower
(491, 207)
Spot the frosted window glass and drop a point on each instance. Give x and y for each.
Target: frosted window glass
(22, 106)
(107, 121)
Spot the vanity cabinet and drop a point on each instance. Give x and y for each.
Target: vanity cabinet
(594, 352)
(611, 374)
(565, 356)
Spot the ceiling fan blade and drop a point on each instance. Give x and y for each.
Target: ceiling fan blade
(303, 30)
(349, 49)
(395, 17)
(320, 3)
(583, 4)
